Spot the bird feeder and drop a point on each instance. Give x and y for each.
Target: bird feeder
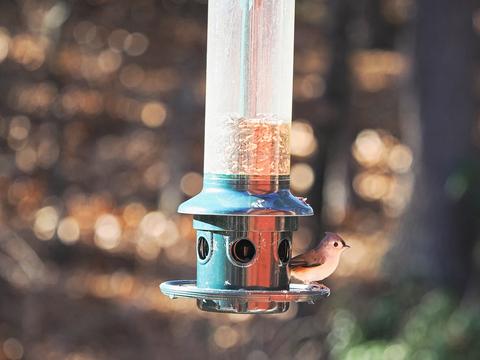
(245, 215)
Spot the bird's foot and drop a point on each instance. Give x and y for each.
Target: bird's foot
(315, 285)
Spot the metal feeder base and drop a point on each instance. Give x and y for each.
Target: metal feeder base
(244, 301)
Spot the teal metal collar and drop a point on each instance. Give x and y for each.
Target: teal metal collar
(246, 195)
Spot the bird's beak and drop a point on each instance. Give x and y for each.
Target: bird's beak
(347, 246)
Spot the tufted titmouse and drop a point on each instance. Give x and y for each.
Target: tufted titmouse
(320, 262)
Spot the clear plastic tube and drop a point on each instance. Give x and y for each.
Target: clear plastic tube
(249, 87)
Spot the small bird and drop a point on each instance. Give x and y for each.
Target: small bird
(320, 262)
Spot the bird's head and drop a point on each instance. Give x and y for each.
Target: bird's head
(334, 243)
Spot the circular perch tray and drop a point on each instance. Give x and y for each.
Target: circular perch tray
(296, 293)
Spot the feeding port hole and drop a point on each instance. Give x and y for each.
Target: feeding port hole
(202, 248)
(284, 251)
(243, 251)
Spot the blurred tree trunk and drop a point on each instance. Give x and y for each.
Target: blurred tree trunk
(436, 236)
(329, 194)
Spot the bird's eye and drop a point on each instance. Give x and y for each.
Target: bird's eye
(335, 244)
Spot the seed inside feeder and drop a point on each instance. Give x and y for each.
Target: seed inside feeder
(250, 146)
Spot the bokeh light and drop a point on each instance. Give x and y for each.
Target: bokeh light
(107, 232)
(368, 148)
(191, 183)
(400, 158)
(375, 70)
(13, 349)
(302, 177)
(303, 142)
(371, 186)
(68, 230)
(117, 38)
(153, 114)
(225, 337)
(4, 43)
(45, 224)
(135, 44)
(28, 50)
(133, 214)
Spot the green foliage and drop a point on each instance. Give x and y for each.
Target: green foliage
(435, 328)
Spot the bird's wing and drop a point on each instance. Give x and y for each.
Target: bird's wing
(308, 259)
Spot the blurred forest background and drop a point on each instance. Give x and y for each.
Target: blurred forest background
(101, 136)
